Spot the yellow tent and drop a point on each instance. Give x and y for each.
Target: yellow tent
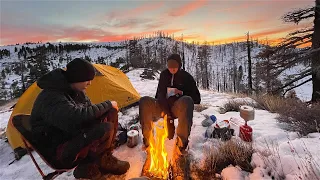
(108, 84)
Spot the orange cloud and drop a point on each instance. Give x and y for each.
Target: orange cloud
(190, 38)
(121, 37)
(245, 22)
(187, 8)
(17, 34)
(262, 34)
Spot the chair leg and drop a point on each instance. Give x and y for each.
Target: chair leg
(34, 161)
(53, 175)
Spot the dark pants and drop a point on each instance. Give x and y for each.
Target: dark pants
(150, 111)
(90, 144)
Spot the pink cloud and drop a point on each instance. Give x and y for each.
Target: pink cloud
(131, 35)
(11, 34)
(16, 34)
(187, 8)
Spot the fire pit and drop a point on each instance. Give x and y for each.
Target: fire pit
(157, 165)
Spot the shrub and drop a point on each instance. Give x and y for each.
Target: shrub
(270, 103)
(234, 152)
(200, 107)
(148, 74)
(300, 117)
(234, 105)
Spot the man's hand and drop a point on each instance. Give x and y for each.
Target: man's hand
(177, 91)
(115, 105)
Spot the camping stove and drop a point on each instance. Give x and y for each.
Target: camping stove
(245, 131)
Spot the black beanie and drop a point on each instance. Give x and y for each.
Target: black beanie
(79, 70)
(175, 57)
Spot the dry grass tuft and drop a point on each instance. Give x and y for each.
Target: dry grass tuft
(274, 166)
(271, 103)
(234, 105)
(301, 117)
(200, 107)
(234, 152)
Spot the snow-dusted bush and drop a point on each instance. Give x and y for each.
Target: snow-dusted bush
(217, 157)
(200, 107)
(300, 117)
(234, 104)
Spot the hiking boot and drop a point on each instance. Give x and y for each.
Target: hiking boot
(87, 171)
(181, 145)
(110, 164)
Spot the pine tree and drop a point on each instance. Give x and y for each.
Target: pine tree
(286, 55)
(38, 66)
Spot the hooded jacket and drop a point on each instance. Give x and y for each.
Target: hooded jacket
(60, 113)
(183, 81)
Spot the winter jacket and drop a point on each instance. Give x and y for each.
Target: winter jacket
(60, 113)
(183, 81)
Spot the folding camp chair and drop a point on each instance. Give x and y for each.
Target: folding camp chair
(22, 124)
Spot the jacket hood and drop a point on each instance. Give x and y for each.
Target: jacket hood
(54, 80)
(175, 57)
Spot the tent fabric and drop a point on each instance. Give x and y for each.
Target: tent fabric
(109, 84)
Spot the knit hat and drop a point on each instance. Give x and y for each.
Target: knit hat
(175, 57)
(79, 70)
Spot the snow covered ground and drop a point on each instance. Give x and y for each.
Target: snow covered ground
(278, 154)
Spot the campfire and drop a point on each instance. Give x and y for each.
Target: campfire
(159, 163)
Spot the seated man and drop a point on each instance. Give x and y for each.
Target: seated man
(69, 130)
(176, 94)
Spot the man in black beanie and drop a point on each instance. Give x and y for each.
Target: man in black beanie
(69, 130)
(176, 95)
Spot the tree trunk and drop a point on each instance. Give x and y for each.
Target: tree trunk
(249, 64)
(316, 55)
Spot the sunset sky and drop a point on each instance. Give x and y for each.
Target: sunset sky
(217, 21)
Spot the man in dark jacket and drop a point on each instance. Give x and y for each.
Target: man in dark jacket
(71, 131)
(176, 95)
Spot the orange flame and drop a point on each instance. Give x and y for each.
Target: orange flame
(159, 163)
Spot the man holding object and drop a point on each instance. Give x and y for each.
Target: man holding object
(176, 95)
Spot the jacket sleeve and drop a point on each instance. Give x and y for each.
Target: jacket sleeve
(161, 95)
(64, 114)
(194, 91)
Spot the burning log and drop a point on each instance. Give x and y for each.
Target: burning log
(157, 166)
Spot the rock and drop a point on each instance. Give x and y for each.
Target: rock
(222, 110)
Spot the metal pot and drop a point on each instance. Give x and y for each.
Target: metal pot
(133, 138)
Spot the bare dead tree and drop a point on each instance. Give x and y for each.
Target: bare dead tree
(249, 63)
(183, 55)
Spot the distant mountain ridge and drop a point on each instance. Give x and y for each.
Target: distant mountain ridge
(215, 67)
